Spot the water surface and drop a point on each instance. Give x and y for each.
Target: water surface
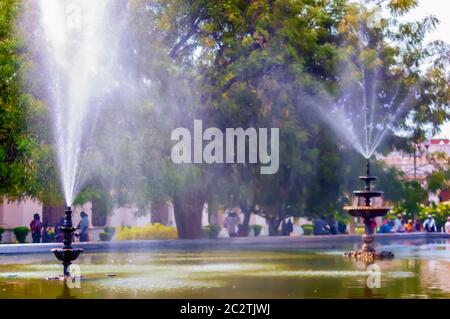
(421, 269)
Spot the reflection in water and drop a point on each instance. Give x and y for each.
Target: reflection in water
(418, 271)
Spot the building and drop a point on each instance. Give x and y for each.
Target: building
(419, 165)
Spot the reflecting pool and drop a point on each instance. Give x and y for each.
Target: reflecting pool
(421, 269)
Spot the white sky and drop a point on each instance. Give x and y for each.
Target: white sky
(440, 9)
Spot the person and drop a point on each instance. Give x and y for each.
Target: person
(36, 228)
(332, 223)
(231, 222)
(447, 226)
(320, 227)
(418, 225)
(409, 226)
(83, 227)
(386, 227)
(398, 225)
(430, 225)
(287, 227)
(342, 228)
(45, 231)
(59, 236)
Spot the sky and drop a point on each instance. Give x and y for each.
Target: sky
(440, 9)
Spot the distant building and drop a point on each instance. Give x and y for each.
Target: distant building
(419, 166)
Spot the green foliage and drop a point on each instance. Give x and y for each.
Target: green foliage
(413, 196)
(21, 233)
(256, 229)
(211, 231)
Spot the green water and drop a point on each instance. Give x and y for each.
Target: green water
(420, 270)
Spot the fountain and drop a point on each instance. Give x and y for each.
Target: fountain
(79, 53)
(67, 254)
(367, 212)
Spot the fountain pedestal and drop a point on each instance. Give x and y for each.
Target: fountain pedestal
(367, 212)
(67, 254)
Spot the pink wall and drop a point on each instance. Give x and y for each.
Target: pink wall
(14, 214)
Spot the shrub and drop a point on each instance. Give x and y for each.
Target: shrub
(256, 229)
(21, 233)
(149, 231)
(307, 229)
(2, 230)
(105, 236)
(111, 230)
(211, 231)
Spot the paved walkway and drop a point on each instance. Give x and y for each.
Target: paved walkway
(301, 241)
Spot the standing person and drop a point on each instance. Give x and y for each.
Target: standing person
(231, 222)
(59, 236)
(430, 225)
(447, 226)
(332, 223)
(36, 227)
(45, 231)
(398, 225)
(83, 227)
(289, 228)
(418, 225)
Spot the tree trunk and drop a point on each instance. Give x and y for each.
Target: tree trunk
(52, 214)
(160, 212)
(245, 223)
(188, 209)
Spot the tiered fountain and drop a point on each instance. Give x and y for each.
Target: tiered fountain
(67, 254)
(367, 212)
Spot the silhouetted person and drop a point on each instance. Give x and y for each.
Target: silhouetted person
(321, 227)
(83, 227)
(287, 227)
(45, 231)
(59, 236)
(332, 223)
(231, 222)
(36, 228)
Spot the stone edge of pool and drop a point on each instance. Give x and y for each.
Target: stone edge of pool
(301, 241)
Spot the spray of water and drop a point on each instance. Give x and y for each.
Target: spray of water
(81, 38)
(364, 111)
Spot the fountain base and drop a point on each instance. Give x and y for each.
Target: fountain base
(368, 256)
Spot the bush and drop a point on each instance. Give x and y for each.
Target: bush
(150, 231)
(211, 231)
(307, 229)
(105, 236)
(256, 229)
(21, 233)
(2, 230)
(110, 230)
